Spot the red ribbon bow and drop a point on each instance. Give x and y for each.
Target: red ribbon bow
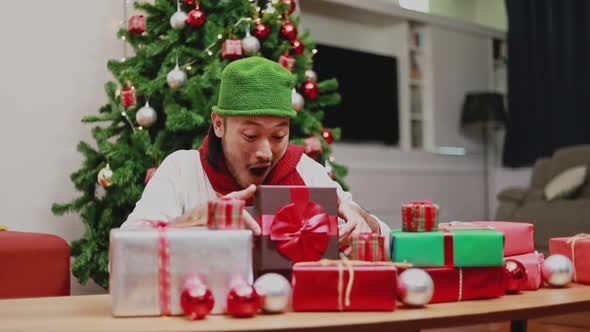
(301, 228)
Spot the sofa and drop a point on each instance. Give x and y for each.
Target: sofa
(560, 217)
(33, 265)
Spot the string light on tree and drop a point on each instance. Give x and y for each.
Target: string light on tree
(178, 19)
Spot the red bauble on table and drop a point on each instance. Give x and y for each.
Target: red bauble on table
(327, 135)
(196, 17)
(297, 46)
(243, 300)
(231, 49)
(291, 4)
(261, 30)
(289, 30)
(196, 299)
(148, 175)
(516, 276)
(136, 24)
(310, 89)
(287, 61)
(128, 97)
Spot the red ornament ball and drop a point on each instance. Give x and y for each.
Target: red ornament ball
(310, 89)
(289, 30)
(515, 274)
(189, 2)
(148, 175)
(291, 4)
(327, 135)
(196, 299)
(196, 17)
(243, 301)
(297, 46)
(261, 30)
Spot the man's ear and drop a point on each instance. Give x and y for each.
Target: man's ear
(218, 124)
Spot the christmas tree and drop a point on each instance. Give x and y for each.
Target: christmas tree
(161, 102)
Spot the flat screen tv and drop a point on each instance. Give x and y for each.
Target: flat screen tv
(369, 89)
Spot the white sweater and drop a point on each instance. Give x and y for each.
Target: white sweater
(180, 184)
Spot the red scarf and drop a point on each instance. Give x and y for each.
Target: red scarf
(283, 173)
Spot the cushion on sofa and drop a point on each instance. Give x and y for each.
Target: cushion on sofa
(566, 183)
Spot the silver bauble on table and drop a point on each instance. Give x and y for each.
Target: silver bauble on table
(557, 270)
(275, 291)
(415, 287)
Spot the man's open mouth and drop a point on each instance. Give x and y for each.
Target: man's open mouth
(259, 171)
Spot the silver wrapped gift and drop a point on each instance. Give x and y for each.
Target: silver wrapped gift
(217, 256)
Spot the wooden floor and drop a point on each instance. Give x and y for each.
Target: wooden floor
(566, 323)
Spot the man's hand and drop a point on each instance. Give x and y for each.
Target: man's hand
(357, 221)
(198, 215)
(246, 194)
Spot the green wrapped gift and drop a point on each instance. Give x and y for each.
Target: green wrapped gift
(455, 248)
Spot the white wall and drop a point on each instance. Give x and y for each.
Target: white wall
(53, 68)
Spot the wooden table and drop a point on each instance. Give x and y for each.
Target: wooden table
(93, 313)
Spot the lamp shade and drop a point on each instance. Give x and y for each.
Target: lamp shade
(484, 109)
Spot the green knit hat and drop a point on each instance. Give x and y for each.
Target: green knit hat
(255, 86)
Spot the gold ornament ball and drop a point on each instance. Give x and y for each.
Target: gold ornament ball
(105, 176)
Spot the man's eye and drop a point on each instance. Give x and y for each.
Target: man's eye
(278, 138)
(250, 137)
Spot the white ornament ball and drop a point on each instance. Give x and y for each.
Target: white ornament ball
(415, 287)
(176, 78)
(275, 291)
(270, 9)
(146, 116)
(297, 100)
(178, 20)
(104, 177)
(557, 270)
(250, 44)
(311, 75)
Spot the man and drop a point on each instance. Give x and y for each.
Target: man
(247, 145)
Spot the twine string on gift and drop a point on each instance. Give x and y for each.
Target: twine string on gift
(460, 285)
(462, 225)
(572, 243)
(349, 264)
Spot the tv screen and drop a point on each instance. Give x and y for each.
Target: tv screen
(368, 85)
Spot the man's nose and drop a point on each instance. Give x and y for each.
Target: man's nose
(264, 152)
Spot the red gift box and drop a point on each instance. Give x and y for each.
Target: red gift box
(298, 224)
(420, 216)
(332, 285)
(576, 248)
(518, 236)
(468, 283)
(225, 213)
(231, 49)
(368, 247)
(532, 263)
